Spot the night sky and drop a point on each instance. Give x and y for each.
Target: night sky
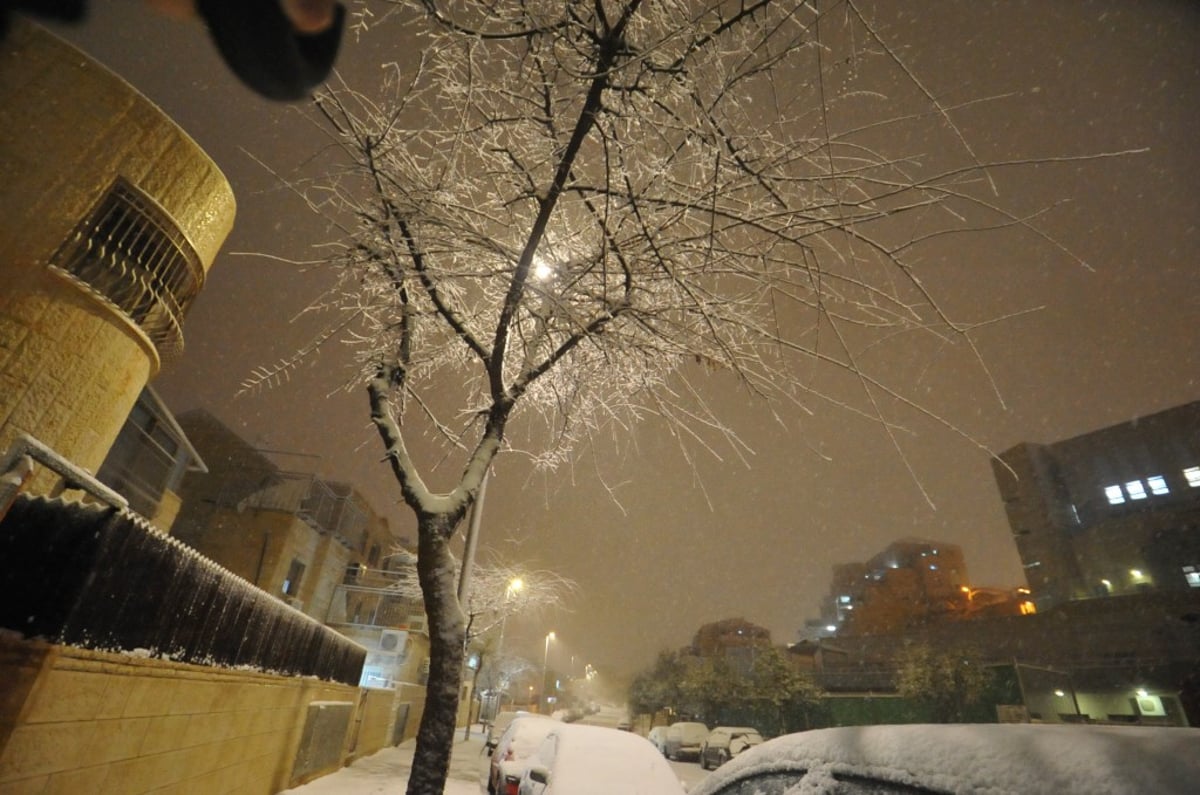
(1113, 340)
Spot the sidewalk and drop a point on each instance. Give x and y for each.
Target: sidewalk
(386, 771)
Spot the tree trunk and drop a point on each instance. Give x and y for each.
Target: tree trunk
(447, 631)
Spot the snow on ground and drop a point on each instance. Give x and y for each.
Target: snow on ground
(386, 771)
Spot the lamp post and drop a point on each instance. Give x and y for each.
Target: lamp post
(514, 587)
(545, 659)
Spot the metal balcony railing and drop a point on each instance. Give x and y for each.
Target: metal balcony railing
(315, 502)
(130, 254)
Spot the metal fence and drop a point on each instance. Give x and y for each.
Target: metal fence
(91, 576)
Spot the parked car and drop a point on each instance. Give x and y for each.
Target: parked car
(685, 738)
(499, 724)
(575, 759)
(506, 762)
(658, 738)
(995, 758)
(725, 742)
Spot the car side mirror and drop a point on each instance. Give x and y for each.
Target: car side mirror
(539, 774)
(490, 750)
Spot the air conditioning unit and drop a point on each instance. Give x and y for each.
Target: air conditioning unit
(393, 640)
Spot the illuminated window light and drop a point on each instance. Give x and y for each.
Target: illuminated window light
(1158, 484)
(1059, 693)
(1193, 476)
(1114, 494)
(1136, 490)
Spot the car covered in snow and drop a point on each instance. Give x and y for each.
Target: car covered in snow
(726, 742)
(658, 738)
(993, 758)
(499, 724)
(506, 761)
(575, 759)
(685, 738)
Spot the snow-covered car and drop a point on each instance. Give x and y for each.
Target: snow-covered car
(658, 738)
(726, 742)
(506, 762)
(499, 724)
(575, 759)
(685, 738)
(993, 758)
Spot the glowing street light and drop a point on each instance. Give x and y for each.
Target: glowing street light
(514, 587)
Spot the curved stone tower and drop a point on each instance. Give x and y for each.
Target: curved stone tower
(110, 216)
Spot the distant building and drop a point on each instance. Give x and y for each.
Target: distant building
(733, 639)
(1114, 511)
(112, 216)
(314, 543)
(910, 583)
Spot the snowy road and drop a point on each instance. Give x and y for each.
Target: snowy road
(386, 771)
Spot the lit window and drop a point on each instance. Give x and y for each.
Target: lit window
(844, 599)
(1193, 476)
(1114, 494)
(1192, 576)
(1157, 484)
(1136, 489)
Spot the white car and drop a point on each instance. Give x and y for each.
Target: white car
(726, 742)
(685, 738)
(1022, 759)
(500, 723)
(658, 737)
(507, 760)
(595, 760)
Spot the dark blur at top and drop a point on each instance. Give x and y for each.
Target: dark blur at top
(281, 49)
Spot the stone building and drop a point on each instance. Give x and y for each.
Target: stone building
(1115, 511)
(313, 542)
(111, 216)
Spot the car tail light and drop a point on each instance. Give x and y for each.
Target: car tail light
(510, 785)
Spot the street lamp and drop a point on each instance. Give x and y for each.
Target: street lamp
(545, 659)
(514, 587)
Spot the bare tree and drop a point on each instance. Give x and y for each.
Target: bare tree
(574, 212)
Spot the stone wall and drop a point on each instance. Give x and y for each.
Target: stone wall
(76, 720)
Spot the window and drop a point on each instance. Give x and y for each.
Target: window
(1158, 484)
(1114, 494)
(1136, 490)
(1192, 575)
(1193, 476)
(291, 585)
